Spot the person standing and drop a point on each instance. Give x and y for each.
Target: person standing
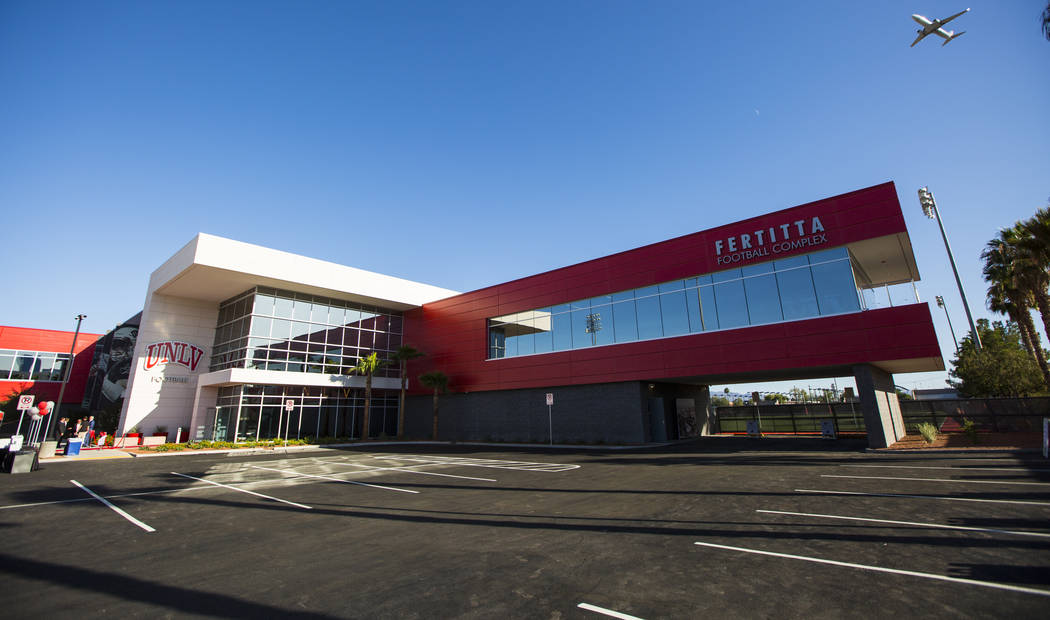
(90, 430)
(60, 430)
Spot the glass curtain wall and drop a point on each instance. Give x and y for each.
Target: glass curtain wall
(32, 365)
(798, 287)
(279, 330)
(253, 412)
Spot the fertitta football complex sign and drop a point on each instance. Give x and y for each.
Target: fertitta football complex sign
(775, 239)
(173, 352)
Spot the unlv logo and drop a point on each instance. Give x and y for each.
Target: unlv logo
(173, 352)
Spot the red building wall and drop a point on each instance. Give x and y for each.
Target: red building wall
(27, 339)
(453, 332)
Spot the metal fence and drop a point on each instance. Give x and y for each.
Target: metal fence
(988, 414)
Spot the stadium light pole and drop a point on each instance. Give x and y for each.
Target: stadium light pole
(65, 378)
(929, 209)
(940, 302)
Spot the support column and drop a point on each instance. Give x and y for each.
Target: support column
(878, 401)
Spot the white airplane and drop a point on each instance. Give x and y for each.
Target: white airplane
(933, 26)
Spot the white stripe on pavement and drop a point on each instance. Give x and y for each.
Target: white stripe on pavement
(607, 612)
(233, 488)
(956, 499)
(930, 525)
(880, 569)
(114, 508)
(332, 478)
(1038, 484)
(988, 469)
(410, 471)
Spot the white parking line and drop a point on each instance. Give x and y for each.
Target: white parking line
(1038, 484)
(332, 478)
(930, 525)
(990, 470)
(114, 508)
(607, 612)
(410, 471)
(233, 488)
(957, 499)
(880, 569)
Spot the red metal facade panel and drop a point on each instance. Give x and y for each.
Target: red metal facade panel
(453, 332)
(26, 339)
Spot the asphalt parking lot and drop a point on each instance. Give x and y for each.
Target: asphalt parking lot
(737, 528)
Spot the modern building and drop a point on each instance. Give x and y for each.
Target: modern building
(34, 361)
(238, 341)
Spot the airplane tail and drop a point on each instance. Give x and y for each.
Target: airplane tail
(955, 35)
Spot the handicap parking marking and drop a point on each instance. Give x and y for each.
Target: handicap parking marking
(882, 569)
(115, 509)
(240, 490)
(332, 478)
(907, 523)
(473, 462)
(411, 471)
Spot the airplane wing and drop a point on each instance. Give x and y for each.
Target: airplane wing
(918, 38)
(948, 19)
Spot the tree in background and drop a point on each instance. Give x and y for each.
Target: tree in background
(1046, 21)
(1002, 368)
(367, 366)
(1018, 280)
(775, 398)
(403, 354)
(436, 380)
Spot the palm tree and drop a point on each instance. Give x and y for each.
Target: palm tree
(1046, 21)
(1007, 292)
(403, 354)
(367, 366)
(1034, 249)
(439, 382)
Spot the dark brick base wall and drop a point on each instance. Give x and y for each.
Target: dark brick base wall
(612, 413)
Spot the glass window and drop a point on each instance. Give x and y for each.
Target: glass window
(261, 326)
(763, 302)
(282, 328)
(520, 334)
(797, 296)
(731, 302)
(264, 305)
(23, 366)
(827, 255)
(650, 325)
(562, 331)
(625, 321)
(696, 315)
(674, 312)
(283, 307)
(42, 369)
(58, 372)
(301, 309)
(317, 333)
(544, 326)
(582, 323)
(300, 330)
(836, 289)
(708, 309)
(7, 362)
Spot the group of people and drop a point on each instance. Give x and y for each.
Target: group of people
(83, 429)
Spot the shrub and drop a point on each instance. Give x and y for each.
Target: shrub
(970, 428)
(928, 432)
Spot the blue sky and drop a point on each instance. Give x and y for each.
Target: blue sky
(463, 144)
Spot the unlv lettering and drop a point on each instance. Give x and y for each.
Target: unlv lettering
(173, 352)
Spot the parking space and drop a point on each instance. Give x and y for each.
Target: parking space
(471, 532)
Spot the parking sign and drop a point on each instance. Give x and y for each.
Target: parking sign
(25, 402)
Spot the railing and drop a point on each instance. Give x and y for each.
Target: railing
(999, 415)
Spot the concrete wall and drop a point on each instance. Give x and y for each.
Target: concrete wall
(882, 410)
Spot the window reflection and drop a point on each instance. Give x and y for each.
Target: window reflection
(787, 289)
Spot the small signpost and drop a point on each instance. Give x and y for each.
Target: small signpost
(289, 406)
(550, 423)
(25, 403)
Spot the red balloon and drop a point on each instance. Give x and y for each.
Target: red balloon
(43, 408)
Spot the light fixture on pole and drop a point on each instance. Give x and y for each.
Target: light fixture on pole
(929, 209)
(65, 378)
(940, 303)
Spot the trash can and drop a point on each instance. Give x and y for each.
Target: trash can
(48, 449)
(73, 447)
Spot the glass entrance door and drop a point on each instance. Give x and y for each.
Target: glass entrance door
(221, 428)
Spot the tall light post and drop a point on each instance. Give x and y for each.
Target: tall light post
(940, 303)
(929, 209)
(65, 378)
